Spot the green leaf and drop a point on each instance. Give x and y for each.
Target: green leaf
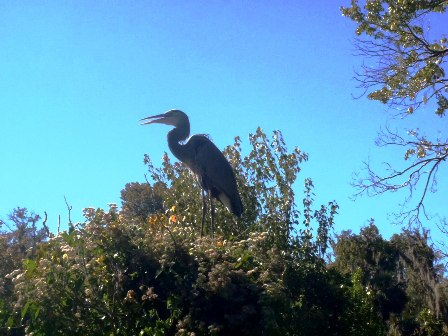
(25, 309)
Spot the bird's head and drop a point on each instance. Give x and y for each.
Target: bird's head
(172, 117)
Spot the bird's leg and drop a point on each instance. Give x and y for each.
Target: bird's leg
(204, 211)
(212, 213)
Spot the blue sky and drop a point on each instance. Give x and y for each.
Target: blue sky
(76, 76)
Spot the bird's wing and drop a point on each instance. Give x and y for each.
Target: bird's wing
(216, 173)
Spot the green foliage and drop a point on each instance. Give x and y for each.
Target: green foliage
(363, 308)
(110, 277)
(139, 200)
(402, 276)
(265, 178)
(19, 237)
(370, 253)
(411, 67)
(430, 325)
(144, 270)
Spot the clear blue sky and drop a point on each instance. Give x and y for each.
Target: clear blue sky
(76, 76)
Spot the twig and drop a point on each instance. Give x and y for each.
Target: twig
(44, 224)
(69, 207)
(428, 158)
(172, 236)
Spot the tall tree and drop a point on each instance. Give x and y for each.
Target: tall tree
(406, 70)
(403, 274)
(377, 260)
(420, 268)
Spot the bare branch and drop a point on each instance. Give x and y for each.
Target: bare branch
(69, 208)
(427, 156)
(44, 224)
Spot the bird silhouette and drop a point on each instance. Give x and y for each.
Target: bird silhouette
(201, 156)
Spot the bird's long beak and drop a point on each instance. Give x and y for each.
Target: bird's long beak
(146, 121)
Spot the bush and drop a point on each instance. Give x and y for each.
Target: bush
(148, 273)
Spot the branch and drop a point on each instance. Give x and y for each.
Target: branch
(428, 157)
(399, 62)
(69, 208)
(44, 224)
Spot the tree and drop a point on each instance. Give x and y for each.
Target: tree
(19, 238)
(403, 275)
(407, 71)
(420, 268)
(139, 200)
(377, 260)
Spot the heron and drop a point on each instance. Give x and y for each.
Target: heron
(203, 158)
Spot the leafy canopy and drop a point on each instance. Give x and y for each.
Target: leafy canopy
(408, 66)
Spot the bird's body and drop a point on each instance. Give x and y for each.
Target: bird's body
(214, 172)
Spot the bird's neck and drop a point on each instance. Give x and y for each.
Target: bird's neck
(175, 136)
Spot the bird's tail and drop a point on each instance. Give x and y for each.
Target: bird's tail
(233, 203)
(237, 206)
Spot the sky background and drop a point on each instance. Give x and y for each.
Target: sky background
(76, 77)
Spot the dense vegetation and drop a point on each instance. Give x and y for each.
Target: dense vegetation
(280, 270)
(142, 269)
